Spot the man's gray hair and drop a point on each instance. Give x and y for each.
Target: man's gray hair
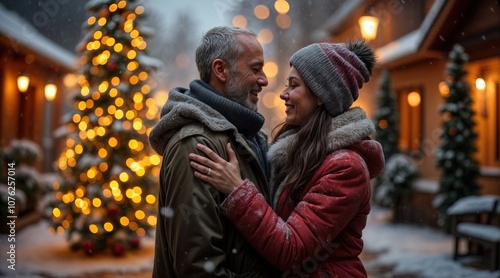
(219, 43)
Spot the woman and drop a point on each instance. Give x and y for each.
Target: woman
(322, 161)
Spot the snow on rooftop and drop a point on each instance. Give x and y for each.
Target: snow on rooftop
(397, 49)
(430, 18)
(22, 32)
(411, 42)
(404, 46)
(343, 12)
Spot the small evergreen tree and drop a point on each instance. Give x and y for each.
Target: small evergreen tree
(19, 178)
(396, 180)
(106, 197)
(387, 130)
(386, 118)
(459, 169)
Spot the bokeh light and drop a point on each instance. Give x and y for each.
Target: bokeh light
(282, 6)
(261, 11)
(240, 21)
(271, 69)
(265, 36)
(283, 21)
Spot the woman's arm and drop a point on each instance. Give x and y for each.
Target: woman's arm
(309, 231)
(223, 175)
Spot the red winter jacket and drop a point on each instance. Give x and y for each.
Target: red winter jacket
(321, 236)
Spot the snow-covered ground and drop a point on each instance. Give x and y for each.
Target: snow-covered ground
(403, 250)
(390, 251)
(41, 254)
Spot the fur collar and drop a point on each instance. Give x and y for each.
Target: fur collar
(346, 129)
(201, 103)
(181, 110)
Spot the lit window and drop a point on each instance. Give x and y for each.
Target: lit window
(410, 119)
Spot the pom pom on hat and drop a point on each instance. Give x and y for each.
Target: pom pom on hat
(335, 72)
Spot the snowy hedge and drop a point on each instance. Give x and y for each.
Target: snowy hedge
(396, 180)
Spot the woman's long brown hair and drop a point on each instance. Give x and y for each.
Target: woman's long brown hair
(305, 154)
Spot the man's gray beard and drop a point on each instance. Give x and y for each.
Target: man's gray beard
(239, 94)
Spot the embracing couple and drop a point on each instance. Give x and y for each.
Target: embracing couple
(233, 204)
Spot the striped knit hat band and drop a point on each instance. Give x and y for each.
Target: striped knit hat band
(333, 73)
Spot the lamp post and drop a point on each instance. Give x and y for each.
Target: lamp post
(368, 25)
(50, 91)
(481, 86)
(23, 82)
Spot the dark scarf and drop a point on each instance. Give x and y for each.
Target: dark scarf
(247, 121)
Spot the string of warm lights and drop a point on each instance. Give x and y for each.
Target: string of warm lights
(106, 197)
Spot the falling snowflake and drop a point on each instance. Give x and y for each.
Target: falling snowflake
(167, 212)
(209, 266)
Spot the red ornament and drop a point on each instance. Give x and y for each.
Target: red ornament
(118, 249)
(89, 247)
(134, 242)
(112, 65)
(112, 210)
(104, 12)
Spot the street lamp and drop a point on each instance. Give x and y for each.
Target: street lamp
(50, 92)
(368, 25)
(481, 86)
(23, 82)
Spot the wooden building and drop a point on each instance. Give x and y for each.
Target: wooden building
(413, 40)
(32, 69)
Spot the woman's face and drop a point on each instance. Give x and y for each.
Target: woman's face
(300, 103)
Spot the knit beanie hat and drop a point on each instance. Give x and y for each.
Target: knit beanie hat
(335, 72)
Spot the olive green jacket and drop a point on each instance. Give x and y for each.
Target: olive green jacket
(193, 238)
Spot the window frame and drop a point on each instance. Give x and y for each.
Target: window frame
(411, 120)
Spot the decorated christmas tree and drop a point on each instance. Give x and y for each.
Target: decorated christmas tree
(386, 118)
(459, 169)
(105, 198)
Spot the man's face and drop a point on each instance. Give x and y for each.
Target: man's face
(247, 78)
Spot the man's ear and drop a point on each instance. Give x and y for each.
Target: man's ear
(220, 70)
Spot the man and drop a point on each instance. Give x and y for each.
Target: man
(192, 236)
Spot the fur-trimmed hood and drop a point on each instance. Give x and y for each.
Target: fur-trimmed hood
(181, 110)
(201, 103)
